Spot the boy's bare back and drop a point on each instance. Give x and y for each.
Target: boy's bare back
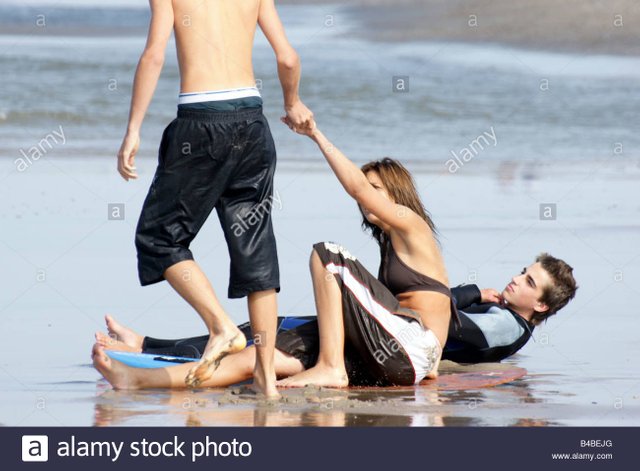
(214, 41)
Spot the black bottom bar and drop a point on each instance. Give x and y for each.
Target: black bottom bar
(319, 448)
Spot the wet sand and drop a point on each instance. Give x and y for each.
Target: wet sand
(582, 367)
(312, 406)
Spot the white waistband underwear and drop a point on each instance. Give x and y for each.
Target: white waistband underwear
(217, 95)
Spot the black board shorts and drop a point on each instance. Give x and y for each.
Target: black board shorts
(385, 344)
(213, 159)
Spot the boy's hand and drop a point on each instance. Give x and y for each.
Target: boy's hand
(299, 115)
(127, 154)
(309, 130)
(490, 295)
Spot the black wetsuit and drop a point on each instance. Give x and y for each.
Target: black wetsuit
(488, 332)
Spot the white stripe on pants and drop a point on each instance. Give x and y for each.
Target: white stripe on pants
(421, 345)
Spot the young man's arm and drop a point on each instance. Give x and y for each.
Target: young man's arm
(466, 295)
(145, 81)
(288, 64)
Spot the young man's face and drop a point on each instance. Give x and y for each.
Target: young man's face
(526, 289)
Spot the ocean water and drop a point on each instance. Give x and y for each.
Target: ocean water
(558, 129)
(77, 72)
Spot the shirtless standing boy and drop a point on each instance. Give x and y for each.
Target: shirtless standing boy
(219, 153)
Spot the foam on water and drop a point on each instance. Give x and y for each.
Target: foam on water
(537, 63)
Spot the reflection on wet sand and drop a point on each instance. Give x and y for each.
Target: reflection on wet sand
(521, 174)
(320, 407)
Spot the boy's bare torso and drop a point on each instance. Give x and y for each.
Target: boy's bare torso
(214, 42)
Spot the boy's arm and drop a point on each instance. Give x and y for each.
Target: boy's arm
(466, 295)
(288, 64)
(145, 82)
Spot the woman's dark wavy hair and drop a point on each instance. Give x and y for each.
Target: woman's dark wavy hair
(401, 187)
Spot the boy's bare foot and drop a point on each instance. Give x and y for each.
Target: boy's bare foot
(262, 386)
(109, 343)
(218, 347)
(319, 375)
(124, 334)
(117, 374)
(249, 391)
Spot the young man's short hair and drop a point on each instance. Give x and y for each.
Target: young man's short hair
(560, 291)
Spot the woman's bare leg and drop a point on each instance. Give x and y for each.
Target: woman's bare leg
(330, 369)
(233, 369)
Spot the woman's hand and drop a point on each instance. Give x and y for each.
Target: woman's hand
(309, 129)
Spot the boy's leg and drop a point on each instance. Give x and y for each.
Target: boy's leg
(244, 211)
(224, 336)
(263, 310)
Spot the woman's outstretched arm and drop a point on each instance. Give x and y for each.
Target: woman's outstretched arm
(358, 187)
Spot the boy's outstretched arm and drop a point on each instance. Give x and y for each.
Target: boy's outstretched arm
(145, 82)
(288, 64)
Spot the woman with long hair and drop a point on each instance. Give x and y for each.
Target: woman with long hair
(394, 325)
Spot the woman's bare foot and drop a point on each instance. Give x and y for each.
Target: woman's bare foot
(319, 375)
(109, 343)
(218, 347)
(117, 374)
(124, 334)
(433, 374)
